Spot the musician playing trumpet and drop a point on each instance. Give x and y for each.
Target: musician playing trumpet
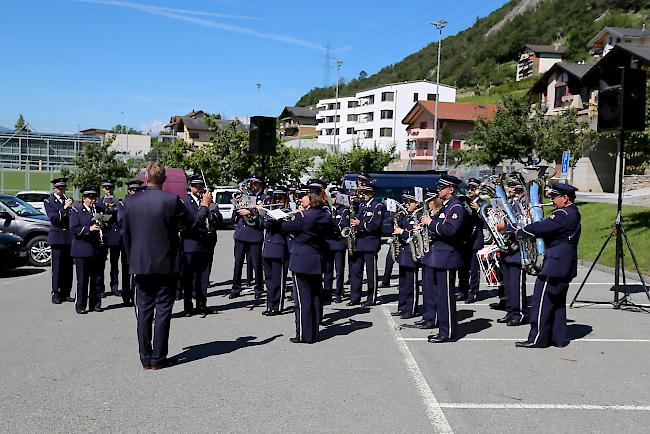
(406, 229)
(468, 275)
(337, 248)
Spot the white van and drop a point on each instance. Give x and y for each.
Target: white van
(222, 196)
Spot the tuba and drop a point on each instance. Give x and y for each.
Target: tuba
(492, 215)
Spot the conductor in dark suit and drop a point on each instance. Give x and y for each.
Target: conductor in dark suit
(152, 221)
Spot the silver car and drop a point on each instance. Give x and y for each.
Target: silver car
(20, 218)
(34, 197)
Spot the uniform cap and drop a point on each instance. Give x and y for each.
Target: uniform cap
(558, 189)
(448, 181)
(409, 195)
(88, 190)
(196, 180)
(473, 182)
(59, 182)
(108, 183)
(134, 183)
(255, 178)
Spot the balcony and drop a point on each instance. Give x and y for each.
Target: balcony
(420, 133)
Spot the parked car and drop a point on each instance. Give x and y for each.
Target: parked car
(12, 251)
(222, 196)
(20, 218)
(34, 198)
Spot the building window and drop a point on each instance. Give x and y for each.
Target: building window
(337, 132)
(353, 104)
(385, 132)
(369, 99)
(386, 114)
(368, 134)
(431, 97)
(350, 130)
(416, 96)
(194, 135)
(423, 125)
(352, 118)
(559, 93)
(387, 96)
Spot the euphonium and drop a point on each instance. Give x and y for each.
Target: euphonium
(238, 198)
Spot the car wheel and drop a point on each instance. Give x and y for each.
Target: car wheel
(39, 252)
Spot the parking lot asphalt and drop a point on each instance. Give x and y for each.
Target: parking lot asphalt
(238, 372)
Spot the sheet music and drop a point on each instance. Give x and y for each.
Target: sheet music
(277, 214)
(391, 205)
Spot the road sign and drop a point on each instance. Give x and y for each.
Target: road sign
(566, 155)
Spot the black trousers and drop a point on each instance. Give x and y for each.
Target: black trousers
(334, 259)
(548, 311)
(89, 293)
(445, 301)
(388, 270)
(195, 279)
(275, 277)
(428, 297)
(61, 271)
(154, 300)
(357, 262)
(115, 253)
(469, 275)
(127, 279)
(409, 290)
(306, 298)
(514, 282)
(254, 251)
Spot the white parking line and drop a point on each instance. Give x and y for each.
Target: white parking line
(497, 406)
(434, 412)
(520, 339)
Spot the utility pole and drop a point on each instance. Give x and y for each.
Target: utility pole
(259, 86)
(439, 25)
(336, 101)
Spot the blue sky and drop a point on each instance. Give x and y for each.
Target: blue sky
(95, 63)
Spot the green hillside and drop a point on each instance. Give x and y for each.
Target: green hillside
(472, 58)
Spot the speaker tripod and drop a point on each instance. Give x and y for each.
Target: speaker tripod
(619, 266)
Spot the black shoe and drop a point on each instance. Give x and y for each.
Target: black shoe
(338, 299)
(471, 299)
(398, 313)
(515, 323)
(179, 297)
(295, 340)
(165, 363)
(460, 296)
(271, 312)
(427, 325)
(82, 311)
(98, 309)
(421, 321)
(258, 296)
(501, 305)
(559, 345)
(69, 300)
(56, 301)
(188, 313)
(234, 295)
(504, 320)
(407, 315)
(526, 344)
(347, 282)
(368, 303)
(353, 303)
(436, 339)
(127, 304)
(384, 285)
(104, 295)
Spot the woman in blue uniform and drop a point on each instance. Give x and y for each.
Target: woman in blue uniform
(275, 253)
(310, 227)
(86, 251)
(407, 306)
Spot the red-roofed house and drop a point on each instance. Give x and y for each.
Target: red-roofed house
(458, 118)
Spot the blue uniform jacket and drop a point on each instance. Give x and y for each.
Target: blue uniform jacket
(244, 232)
(85, 243)
(561, 234)
(369, 230)
(310, 230)
(196, 237)
(404, 258)
(152, 220)
(340, 215)
(275, 245)
(60, 219)
(448, 230)
(478, 239)
(112, 230)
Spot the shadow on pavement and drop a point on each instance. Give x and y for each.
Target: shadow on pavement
(217, 348)
(20, 272)
(474, 326)
(341, 314)
(464, 314)
(342, 329)
(578, 331)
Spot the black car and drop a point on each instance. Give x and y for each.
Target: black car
(20, 218)
(12, 251)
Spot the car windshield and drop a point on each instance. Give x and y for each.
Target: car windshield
(20, 207)
(223, 197)
(32, 197)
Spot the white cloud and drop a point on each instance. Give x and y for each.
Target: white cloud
(153, 128)
(186, 15)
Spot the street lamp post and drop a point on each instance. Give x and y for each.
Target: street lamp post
(336, 100)
(259, 86)
(439, 25)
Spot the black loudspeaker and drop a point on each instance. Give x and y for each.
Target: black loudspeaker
(262, 138)
(621, 100)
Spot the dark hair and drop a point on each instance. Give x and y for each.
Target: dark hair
(316, 200)
(571, 195)
(156, 173)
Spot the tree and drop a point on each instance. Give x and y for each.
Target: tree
(358, 159)
(565, 132)
(123, 129)
(637, 143)
(94, 163)
(21, 124)
(363, 75)
(510, 135)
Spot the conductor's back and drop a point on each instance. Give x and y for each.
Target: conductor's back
(152, 220)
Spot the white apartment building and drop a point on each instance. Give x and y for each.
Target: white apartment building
(374, 116)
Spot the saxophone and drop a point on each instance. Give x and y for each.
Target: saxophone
(350, 235)
(395, 244)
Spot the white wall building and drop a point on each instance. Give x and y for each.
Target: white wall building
(374, 116)
(133, 145)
